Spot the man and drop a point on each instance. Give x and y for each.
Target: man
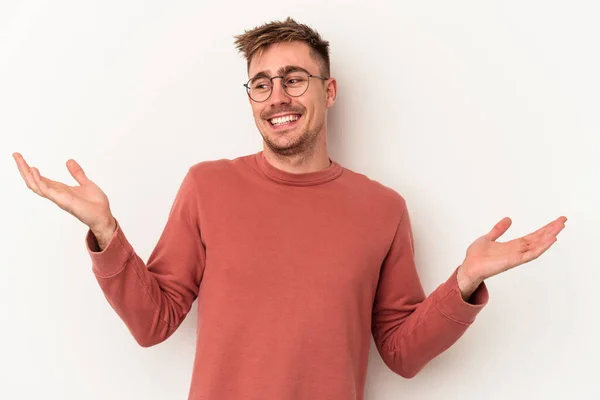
(295, 260)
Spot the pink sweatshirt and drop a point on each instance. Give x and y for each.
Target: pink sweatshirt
(293, 272)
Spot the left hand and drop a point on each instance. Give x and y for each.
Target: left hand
(486, 257)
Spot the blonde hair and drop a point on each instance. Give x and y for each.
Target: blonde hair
(253, 42)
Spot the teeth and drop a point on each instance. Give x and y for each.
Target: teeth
(284, 119)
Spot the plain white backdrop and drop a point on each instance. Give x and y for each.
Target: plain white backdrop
(471, 110)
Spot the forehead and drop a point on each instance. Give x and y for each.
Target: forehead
(279, 55)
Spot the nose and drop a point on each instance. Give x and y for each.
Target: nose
(279, 96)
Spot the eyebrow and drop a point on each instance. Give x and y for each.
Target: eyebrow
(281, 71)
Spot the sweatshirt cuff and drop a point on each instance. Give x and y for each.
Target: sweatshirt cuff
(113, 258)
(452, 305)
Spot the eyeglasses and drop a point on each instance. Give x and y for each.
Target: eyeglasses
(294, 83)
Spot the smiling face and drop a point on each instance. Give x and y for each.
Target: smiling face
(292, 125)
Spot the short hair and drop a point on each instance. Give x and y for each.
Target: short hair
(253, 42)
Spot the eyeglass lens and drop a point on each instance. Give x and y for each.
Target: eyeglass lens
(294, 84)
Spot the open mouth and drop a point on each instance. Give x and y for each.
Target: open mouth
(284, 122)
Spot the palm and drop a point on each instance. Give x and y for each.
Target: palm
(488, 257)
(76, 199)
(87, 201)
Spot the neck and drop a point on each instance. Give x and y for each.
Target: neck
(315, 158)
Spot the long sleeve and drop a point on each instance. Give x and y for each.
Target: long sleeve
(154, 298)
(410, 329)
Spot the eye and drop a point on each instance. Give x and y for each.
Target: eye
(260, 84)
(295, 81)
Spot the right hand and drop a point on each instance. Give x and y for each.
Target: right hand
(87, 202)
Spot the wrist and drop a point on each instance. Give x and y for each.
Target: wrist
(467, 284)
(104, 232)
(104, 225)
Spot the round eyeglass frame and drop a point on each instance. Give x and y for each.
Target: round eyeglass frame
(247, 85)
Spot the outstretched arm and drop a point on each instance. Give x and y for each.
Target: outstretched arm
(151, 298)
(409, 328)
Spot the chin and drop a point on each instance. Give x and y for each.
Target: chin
(290, 145)
(291, 141)
(283, 145)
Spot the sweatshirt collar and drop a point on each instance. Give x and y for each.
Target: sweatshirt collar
(302, 179)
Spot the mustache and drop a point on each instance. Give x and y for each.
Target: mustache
(281, 110)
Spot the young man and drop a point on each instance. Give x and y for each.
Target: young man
(295, 260)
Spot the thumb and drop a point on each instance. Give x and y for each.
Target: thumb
(77, 172)
(498, 229)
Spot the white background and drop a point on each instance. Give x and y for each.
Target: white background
(471, 110)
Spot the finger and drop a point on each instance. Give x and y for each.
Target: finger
(555, 225)
(76, 171)
(37, 181)
(24, 169)
(52, 190)
(40, 182)
(543, 229)
(18, 157)
(26, 174)
(499, 229)
(555, 229)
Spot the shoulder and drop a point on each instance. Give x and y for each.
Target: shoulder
(375, 191)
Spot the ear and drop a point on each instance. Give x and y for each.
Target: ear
(330, 92)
